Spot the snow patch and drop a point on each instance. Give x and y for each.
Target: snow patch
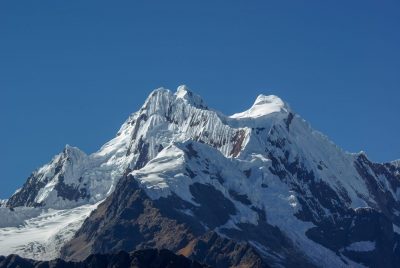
(396, 163)
(396, 229)
(361, 246)
(263, 105)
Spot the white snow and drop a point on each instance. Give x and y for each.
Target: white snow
(17, 216)
(396, 229)
(262, 106)
(396, 163)
(361, 246)
(42, 235)
(182, 92)
(3, 202)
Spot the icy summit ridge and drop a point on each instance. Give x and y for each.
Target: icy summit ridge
(161, 97)
(263, 104)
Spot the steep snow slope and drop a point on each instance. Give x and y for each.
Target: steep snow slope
(39, 234)
(180, 166)
(272, 168)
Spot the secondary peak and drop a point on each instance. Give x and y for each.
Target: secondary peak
(264, 105)
(183, 92)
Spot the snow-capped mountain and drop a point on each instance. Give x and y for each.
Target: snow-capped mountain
(257, 188)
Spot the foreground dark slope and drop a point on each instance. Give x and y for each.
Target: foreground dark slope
(149, 258)
(130, 220)
(254, 189)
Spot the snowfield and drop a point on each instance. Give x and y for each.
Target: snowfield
(40, 234)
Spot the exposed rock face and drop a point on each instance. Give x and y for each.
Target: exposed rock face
(221, 252)
(363, 226)
(149, 258)
(138, 222)
(27, 195)
(128, 220)
(257, 188)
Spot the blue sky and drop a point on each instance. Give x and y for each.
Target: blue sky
(72, 71)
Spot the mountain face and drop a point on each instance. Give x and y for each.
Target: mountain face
(256, 189)
(150, 258)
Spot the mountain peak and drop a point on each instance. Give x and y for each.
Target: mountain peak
(72, 151)
(396, 163)
(157, 101)
(264, 105)
(162, 97)
(183, 92)
(156, 94)
(263, 99)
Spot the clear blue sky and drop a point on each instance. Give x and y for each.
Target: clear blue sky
(72, 71)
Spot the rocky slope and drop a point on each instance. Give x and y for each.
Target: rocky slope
(149, 258)
(255, 188)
